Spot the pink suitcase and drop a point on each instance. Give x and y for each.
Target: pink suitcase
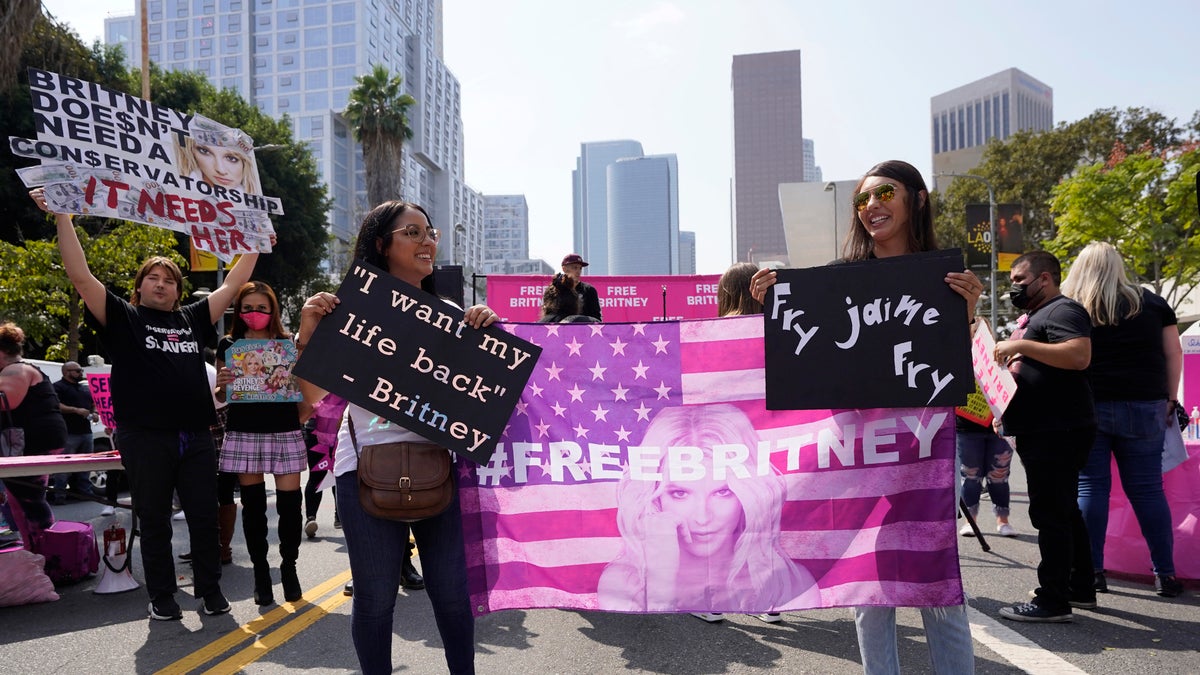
(70, 551)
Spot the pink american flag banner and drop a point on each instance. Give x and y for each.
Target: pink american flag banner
(641, 472)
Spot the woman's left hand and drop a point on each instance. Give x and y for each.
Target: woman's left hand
(969, 286)
(480, 316)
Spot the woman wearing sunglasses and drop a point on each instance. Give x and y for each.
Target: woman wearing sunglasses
(892, 217)
(396, 236)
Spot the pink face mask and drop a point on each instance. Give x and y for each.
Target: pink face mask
(256, 320)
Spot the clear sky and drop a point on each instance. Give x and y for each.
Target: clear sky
(541, 76)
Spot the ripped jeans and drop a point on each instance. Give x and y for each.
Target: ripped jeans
(977, 449)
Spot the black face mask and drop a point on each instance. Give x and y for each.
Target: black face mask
(1019, 296)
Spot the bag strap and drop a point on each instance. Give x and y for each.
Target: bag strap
(353, 436)
(6, 418)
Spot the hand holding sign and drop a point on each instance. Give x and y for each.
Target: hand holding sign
(414, 359)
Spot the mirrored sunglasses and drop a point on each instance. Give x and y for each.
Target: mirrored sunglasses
(884, 193)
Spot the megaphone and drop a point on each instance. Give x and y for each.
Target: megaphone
(115, 576)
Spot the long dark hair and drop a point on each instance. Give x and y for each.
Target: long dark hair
(733, 291)
(859, 244)
(238, 328)
(375, 235)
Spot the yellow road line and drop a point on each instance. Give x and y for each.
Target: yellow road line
(264, 645)
(251, 630)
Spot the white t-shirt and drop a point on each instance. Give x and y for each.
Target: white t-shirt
(370, 429)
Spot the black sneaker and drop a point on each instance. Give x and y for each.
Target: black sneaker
(164, 608)
(1167, 587)
(1076, 601)
(1099, 582)
(1031, 613)
(310, 528)
(215, 603)
(1083, 603)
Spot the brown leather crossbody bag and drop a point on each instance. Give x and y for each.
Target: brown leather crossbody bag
(403, 481)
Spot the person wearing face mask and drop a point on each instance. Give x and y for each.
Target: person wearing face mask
(1053, 418)
(262, 438)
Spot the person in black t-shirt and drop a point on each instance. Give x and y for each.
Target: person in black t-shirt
(1053, 419)
(572, 266)
(1136, 365)
(262, 438)
(163, 408)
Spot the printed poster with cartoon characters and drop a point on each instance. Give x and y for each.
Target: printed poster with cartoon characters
(262, 371)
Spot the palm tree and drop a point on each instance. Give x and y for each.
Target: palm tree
(378, 115)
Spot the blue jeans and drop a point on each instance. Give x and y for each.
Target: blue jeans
(977, 449)
(947, 632)
(1131, 431)
(376, 547)
(77, 444)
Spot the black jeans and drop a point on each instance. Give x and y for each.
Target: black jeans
(1052, 462)
(159, 463)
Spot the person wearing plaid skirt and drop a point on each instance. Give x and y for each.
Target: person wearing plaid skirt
(263, 438)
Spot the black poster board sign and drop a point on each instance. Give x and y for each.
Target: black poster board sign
(408, 357)
(886, 333)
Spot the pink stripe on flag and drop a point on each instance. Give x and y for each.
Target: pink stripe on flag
(837, 544)
(874, 593)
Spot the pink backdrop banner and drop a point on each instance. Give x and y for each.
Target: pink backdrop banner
(1125, 549)
(519, 297)
(641, 472)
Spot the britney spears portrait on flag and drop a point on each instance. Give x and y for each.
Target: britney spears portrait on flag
(642, 472)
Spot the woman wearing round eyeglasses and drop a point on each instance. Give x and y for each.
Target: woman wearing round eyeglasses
(892, 217)
(396, 236)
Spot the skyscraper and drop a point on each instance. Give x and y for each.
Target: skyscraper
(997, 106)
(590, 196)
(687, 252)
(812, 172)
(768, 149)
(285, 56)
(506, 231)
(643, 215)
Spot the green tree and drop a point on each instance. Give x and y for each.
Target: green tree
(16, 24)
(1026, 168)
(378, 114)
(54, 47)
(1144, 204)
(36, 294)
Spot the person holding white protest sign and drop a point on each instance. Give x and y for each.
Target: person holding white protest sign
(701, 541)
(891, 216)
(398, 237)
(163, 407)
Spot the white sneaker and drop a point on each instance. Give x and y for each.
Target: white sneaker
(711, 617)
(107, 511)
(1006, 530)
(179, 516)
(770, 617)
(966, 531)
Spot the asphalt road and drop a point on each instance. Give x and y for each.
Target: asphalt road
(1133, 630)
